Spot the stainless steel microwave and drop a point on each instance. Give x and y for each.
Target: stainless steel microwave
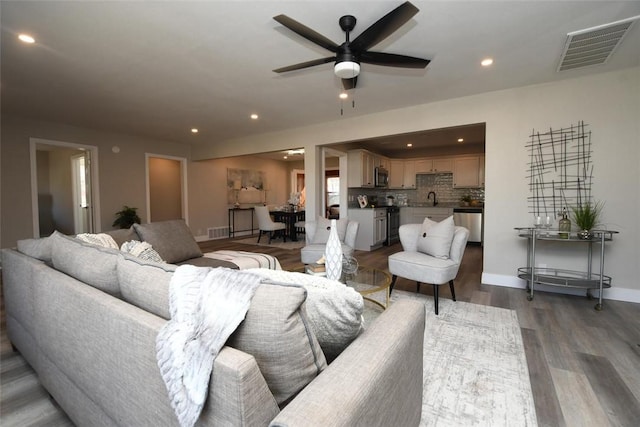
(381, 177)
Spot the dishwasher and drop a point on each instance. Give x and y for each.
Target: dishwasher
(472, 219)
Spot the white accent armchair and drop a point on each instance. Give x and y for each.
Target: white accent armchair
(414, 265)
(316, 241)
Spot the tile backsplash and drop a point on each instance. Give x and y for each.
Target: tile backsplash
(441, 184)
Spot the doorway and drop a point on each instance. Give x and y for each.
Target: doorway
(64, 189)
(166, 188)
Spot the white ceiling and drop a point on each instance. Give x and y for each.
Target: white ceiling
(157, 69)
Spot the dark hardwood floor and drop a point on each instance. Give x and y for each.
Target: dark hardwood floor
(584, 365)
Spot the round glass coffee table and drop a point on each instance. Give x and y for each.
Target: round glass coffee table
(373, 284)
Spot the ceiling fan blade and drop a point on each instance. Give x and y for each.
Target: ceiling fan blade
(384, 27)
(393, 60)
(307, 32)
(305, 64)
(349, 83)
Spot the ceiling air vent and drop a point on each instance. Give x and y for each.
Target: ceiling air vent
(593, 46)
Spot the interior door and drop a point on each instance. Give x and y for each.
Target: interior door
(81, 187)
(165, 180)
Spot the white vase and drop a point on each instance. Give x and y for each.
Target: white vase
(333, 254)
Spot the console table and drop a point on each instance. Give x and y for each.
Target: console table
(232, 220)
(565, 278)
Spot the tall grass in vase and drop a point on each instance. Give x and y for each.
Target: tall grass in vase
(586, 216)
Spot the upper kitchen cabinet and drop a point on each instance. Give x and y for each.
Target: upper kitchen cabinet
(360, 169)
(425, 166)
(468, 172)
(402, 174)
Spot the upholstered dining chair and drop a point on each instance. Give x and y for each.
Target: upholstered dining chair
(267, 225)
(317, 234)
(414, 264)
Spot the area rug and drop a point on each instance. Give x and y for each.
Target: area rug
(274, 243)
(475, 368)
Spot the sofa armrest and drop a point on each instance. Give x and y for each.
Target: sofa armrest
(238, 393)
(377, 380)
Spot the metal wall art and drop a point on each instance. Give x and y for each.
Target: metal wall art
(560, 170)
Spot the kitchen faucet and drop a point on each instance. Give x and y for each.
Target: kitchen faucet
(435, 202)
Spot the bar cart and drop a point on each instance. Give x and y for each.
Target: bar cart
(565, 278)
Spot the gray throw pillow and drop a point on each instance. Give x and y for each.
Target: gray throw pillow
(145, 284)
(171, 239)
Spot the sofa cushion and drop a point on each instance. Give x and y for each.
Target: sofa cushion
(94, 265)
(334, 309)
(145, 284)
(101, 239)
(276, 331)
(436, 237)
(172, 239)
(323, 228)
(36, 248)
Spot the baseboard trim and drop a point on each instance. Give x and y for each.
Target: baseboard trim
(613, 293)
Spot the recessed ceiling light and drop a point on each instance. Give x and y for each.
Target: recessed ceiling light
(460, 139)
(26, 38)
(194, 130)
(486, 62)
(254, 116)
(343, 95)
(409, 145)
(285, 157)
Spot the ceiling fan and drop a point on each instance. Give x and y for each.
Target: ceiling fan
(350, 54)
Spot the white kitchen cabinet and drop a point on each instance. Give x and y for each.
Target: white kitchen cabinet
(427, 166)
(416, 215)
(402, 174)
(466, 172)
(396, 174)
(409, 176)
(360, 169)
(372, 230)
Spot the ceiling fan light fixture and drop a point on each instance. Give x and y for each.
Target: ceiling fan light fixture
(347, 69)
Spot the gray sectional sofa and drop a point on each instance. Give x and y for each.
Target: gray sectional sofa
(86, 319)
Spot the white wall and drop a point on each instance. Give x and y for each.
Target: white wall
(608, 102)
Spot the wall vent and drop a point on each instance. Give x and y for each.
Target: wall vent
(217, 233)
(593, 46)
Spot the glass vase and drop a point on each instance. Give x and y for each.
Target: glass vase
(333, 254)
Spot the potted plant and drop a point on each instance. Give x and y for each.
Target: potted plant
(586, 216)
(466, 200)
(126, 217)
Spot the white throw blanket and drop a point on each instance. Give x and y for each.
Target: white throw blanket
(206, 305)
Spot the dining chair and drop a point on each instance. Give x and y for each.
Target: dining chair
(267, 225)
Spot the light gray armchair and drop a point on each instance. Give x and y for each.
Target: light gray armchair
(414, 265)
(316, 239)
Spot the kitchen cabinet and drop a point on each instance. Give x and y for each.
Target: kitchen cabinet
(416, 215)
(360, 169)
(396, 173)
(372, 231)
(426, 166)
(402, 174)
(466, 172)
(380, 161)
(409, 176)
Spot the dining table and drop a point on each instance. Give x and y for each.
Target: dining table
(289, 217)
